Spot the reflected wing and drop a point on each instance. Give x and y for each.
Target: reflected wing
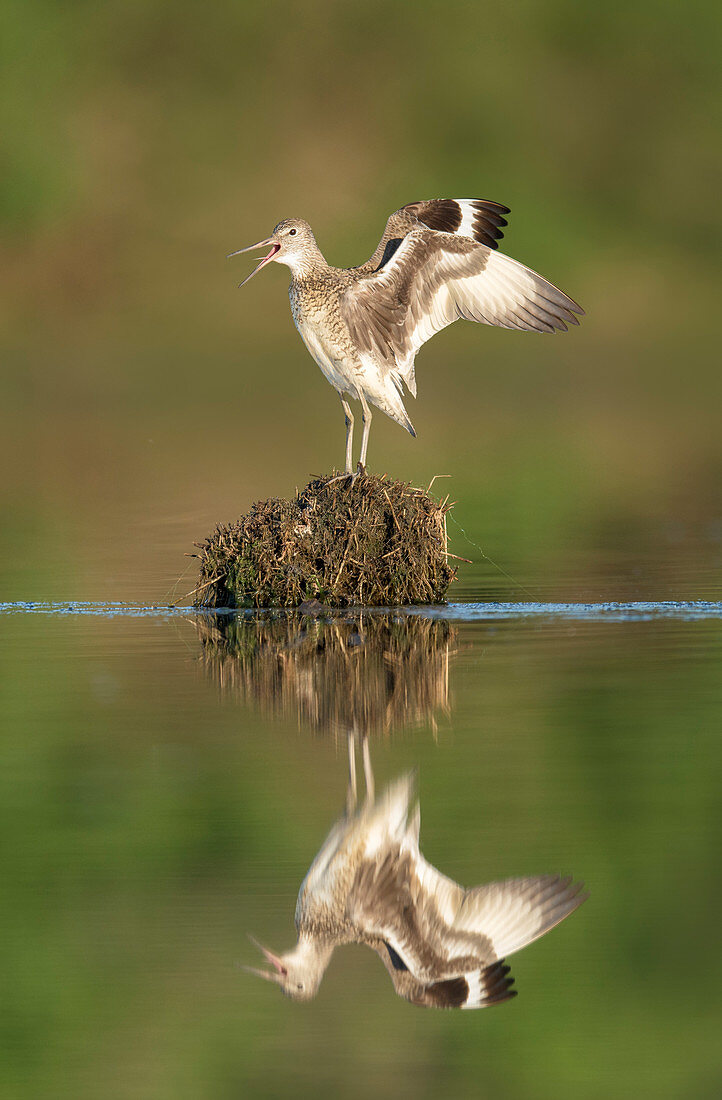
(435, 278)
(480, 220)
(389, 902)
(518, 911)
(434, 939)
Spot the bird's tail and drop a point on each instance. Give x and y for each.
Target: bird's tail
(385, 391)
(390, 816)
(393, 406)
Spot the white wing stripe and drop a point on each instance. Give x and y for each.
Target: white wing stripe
(466, 229)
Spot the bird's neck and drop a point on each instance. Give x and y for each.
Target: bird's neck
(313, 949)
(306, 265)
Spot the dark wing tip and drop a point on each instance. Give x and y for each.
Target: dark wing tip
(488, 221)
(494, 987)
(497, 983)
(447, 216)
(495, 207)
(442, 215)
(500, 1000)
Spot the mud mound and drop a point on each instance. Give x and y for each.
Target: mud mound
(373, 543)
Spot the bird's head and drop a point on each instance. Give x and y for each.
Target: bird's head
(291, 241)
(298, 972)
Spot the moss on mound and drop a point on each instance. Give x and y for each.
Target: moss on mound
(373, 543)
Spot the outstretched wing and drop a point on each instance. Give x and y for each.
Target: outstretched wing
(435, 278)
(388, 901)
(457, 934)
(518, 911)
(479, 220)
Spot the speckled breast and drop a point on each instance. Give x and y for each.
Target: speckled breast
(317, 319)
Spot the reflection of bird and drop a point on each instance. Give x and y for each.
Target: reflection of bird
(443, 946)
(435, 263)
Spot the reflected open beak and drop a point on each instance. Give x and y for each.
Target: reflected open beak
(275, 247)
(278, 968)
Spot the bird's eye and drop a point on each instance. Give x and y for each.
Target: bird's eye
(293, 234)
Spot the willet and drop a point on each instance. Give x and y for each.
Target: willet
(436, 262)
(443, 946)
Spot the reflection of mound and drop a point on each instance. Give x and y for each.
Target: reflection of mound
(370, 673)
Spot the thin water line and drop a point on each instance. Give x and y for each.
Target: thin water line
(689, 610)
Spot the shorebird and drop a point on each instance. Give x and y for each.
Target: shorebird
(443, 946)
(436, 262)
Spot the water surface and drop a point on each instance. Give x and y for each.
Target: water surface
(167, 778)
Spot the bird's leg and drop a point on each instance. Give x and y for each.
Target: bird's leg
(367, 428)
(351, 474)
(349, 446)
(351, 791)
(368, 771)
(349, 434)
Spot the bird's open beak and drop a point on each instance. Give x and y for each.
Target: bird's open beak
(278, 968)
(275, 247)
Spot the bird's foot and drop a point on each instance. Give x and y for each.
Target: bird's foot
(340, 477)
(349, 476)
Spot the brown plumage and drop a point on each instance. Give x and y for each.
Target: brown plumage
(436, 262)
(442, 946)
(479, 220)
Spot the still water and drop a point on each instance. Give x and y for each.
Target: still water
(168, 777)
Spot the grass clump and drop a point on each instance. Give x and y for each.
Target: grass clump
(373, 543)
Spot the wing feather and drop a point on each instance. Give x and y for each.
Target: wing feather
(435, 278)
(482, 988)
(391, 902)
(518, 911)
(388, 902)
(477, 219)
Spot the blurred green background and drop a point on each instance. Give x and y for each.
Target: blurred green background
(145, 398)
(148, 822)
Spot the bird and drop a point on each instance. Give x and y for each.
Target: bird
(437, 261)
(443, 946)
